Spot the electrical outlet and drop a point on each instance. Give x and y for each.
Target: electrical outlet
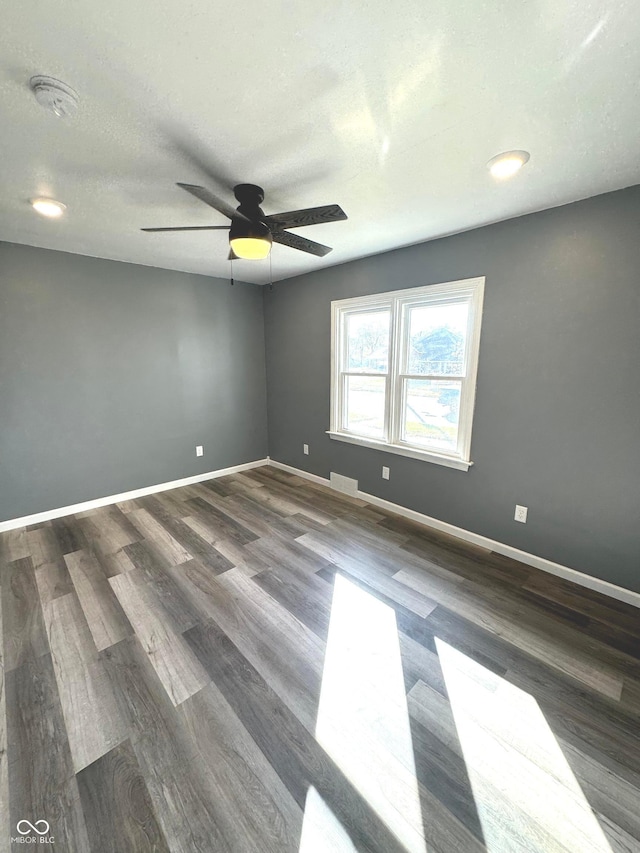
(199, 450)
(385, 472)
(305, 449)
(521, 514)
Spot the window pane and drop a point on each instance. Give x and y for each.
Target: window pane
(431, 413)
(364, 409)
(436, 339)
(368, 341)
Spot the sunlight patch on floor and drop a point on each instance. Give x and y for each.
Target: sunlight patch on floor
(363, 721)
(322, 832)
(521, 780)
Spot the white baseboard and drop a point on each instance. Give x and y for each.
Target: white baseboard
(38, 517)
(612, 590)
(307, 476)
(580, 578)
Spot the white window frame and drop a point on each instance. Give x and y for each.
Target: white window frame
(399, 302)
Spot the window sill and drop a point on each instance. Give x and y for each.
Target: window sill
(424, 455)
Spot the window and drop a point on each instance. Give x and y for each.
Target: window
(404, 370)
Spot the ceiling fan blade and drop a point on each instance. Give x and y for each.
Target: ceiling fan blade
(301, 243)
(212, 200)
(191, 228)
(307, 216)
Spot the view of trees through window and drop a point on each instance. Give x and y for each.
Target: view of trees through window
(368, 341)
(435, 348)
(367, 352)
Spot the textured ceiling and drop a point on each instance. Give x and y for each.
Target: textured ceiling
(390, 110)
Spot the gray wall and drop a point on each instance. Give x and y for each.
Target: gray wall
(557, 420)
(111, 373)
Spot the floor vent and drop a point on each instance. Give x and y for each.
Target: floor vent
(343, 484)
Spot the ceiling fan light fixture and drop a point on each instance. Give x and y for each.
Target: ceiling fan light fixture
(250, 241)
(251, 248)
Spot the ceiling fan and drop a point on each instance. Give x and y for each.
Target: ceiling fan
(252, 232)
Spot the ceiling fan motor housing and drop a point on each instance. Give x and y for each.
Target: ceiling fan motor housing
(249, 194)
(250, 223)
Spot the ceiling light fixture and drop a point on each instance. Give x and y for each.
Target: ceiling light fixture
(505, 165)
(54, 95)
(48, 207)
(249, 240)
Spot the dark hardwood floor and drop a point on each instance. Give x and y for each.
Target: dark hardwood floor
(257, 663)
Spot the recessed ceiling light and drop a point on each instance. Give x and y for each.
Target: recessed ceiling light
(505, 165)
(48, 207)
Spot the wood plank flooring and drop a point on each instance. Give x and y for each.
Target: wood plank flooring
(257, 663)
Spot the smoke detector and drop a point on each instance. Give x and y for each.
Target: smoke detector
(54, 95)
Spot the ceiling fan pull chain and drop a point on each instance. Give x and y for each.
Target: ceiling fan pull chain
(231, 265)
(270, 273)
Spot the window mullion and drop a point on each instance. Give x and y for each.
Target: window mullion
(343, 397)
(388, 410)
(379, 373)
(433, 377)
(341, 370)
(336, 367)
(395, 388)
